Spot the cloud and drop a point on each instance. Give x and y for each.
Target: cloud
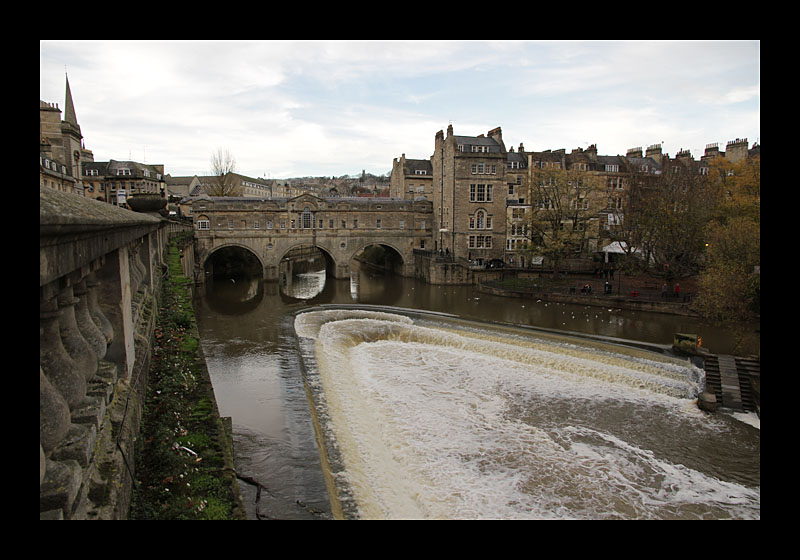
(289, 108)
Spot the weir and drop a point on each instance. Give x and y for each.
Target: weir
(426, 416)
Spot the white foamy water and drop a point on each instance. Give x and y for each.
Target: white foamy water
(439, 422)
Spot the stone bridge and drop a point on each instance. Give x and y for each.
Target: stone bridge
(340, 227)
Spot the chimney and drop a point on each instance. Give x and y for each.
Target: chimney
(712, 151)
(634, 152)
(654, 152)
(736, 150)
(496, 134)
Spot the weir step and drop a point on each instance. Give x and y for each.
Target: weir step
(731, 380)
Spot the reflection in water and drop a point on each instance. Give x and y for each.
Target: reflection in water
(252, 354)
(306, 285)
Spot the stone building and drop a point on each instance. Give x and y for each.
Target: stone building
(113, 181)
(411, 178)
(469, 195)
(61, 150)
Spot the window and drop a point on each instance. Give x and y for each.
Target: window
(612, 168)
(379, 224)
(480, 193)
(203, 223)
(123, 171)
(306, 221)
(420, 172)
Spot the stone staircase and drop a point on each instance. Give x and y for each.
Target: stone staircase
(735, 381)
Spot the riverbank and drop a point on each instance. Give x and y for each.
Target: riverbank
(184, 459)
(636, 293)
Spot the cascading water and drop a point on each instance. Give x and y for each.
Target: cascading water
(434, 418)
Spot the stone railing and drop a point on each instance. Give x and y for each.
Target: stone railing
(100, 269)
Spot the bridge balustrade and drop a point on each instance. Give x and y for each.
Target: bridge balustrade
(100, 268)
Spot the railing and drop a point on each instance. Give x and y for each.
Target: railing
(633, 288)
(100, 268)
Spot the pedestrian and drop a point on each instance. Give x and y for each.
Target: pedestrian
(677, 291)
(664, 291)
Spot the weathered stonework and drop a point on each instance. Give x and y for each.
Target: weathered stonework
(340, 227)
(99, 273)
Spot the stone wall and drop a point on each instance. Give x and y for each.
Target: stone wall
(100, 268)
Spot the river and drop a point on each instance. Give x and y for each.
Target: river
(465, 431)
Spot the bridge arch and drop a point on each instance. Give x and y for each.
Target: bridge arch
(394, 258)
(235, 258)
(330, 260)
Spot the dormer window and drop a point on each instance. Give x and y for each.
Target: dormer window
(123, 171)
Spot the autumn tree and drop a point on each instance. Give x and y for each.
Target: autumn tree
(730, 285)
(224, 181)
(563, 217)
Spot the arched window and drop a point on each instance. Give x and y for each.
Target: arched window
(203, 222)
(480, 220)
(306, 218)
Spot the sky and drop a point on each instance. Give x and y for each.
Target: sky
(331, 108)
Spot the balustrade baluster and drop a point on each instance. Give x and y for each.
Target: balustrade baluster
(76, 346)
(90, 331)
(57, 364)
(95, 312)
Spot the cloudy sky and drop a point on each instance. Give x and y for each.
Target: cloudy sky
(296, 108)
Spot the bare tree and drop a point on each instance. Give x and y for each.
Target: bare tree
(666, 220)
(223, 168)
(564, 206)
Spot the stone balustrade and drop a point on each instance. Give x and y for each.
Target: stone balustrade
(100, 268)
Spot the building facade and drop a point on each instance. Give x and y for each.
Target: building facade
(61, 150)
(113, 181)
(469, 195)
(411, 178)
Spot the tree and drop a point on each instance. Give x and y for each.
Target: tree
(223, 167)
(665, 217)
(730, 285)
(563, 214)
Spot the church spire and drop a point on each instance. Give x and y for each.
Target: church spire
(69, 107)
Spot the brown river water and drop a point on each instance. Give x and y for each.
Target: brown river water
(443, 402)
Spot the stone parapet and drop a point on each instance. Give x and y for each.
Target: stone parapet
(100, 268)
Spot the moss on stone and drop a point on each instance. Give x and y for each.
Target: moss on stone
(183, 468)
